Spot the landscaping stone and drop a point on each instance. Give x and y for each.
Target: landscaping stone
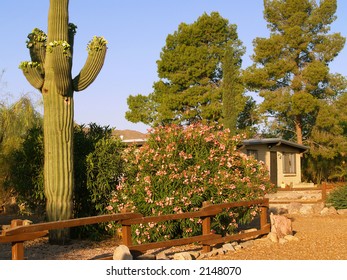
(272, 236)
(318, 207)
(280, 225)
(228, 247)
(291, 238)
(182, 256)
(329, 211)
(342, 211)
(294, 208)
(122, 252)
(282, 241)
(306, 209)
(247, 244)
(162, 256)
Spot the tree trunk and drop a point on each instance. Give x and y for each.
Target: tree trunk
(298, 129)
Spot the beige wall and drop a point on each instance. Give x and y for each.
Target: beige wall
(264, 155)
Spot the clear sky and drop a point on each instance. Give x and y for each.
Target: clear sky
(136, 31)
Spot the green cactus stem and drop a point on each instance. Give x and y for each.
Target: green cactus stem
(50, 72)
(36, 44)
(96, 56)
(33, 73)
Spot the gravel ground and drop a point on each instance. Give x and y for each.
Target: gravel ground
(320, 238)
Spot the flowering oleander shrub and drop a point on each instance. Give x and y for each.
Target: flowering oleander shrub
(179, 168)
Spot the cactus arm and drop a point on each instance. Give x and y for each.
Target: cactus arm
(33, 73)
(36, 44)
(59, 63)
(97, 48)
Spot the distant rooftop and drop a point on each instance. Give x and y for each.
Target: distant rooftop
(128, 134)
(275, 142)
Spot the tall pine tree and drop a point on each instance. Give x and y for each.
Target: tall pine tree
(190, 69)
(291, 67)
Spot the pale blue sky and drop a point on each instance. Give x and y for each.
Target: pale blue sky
(136, 31)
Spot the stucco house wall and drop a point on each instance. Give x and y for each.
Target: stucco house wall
(283, 159)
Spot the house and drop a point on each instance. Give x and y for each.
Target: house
(131, 136)
(282, 157)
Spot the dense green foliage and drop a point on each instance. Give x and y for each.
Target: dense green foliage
(190, 69)
(15, 120)
(233, 99)
(291, 67)
(338, 197)
(179, 168)
(98, 167)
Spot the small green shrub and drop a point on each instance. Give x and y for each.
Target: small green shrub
(338, 198)
(179, 168)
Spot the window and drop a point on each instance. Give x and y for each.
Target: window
(289, 166)
(253, 153)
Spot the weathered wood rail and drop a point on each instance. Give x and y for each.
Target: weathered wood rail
(18, 233)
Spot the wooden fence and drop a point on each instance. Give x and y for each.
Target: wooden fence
(18, 233)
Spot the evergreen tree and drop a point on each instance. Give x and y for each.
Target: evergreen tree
(291, 67)
(232, 88)
(190, 72)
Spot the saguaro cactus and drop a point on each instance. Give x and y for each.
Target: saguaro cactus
(49, 71)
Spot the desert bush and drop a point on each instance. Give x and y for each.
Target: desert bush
(96, 165)
(338, 197)
(179, 168)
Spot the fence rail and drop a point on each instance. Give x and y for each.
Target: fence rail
(18, 233)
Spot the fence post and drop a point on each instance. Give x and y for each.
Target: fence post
(17, 247)
(324, 192)
(263, 214)
(206, 228)
(126, 232)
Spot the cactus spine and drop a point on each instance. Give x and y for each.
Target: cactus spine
(49, 71)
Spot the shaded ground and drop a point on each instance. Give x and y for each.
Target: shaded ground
(320, 238)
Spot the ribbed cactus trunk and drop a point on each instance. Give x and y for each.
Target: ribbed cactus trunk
(50, 72)
(58, 122)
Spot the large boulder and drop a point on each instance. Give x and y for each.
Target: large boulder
(281, 225)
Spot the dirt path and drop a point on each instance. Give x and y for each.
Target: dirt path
(320, 238)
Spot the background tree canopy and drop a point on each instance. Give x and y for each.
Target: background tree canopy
(291, 67)
(190, 69)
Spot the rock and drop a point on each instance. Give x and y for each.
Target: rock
(294, 208)
(328, 211)
(238, 247)
(228, 247)
(195, 255)
(342, 211)
(272, 237)
(306, 210)
(122, 252)
(182, 256)
(247, 244)
(291, 238)
(318, 207)
(213, 253)
(162, 256)
(221, 251)
(280, 225)
(282, 241)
